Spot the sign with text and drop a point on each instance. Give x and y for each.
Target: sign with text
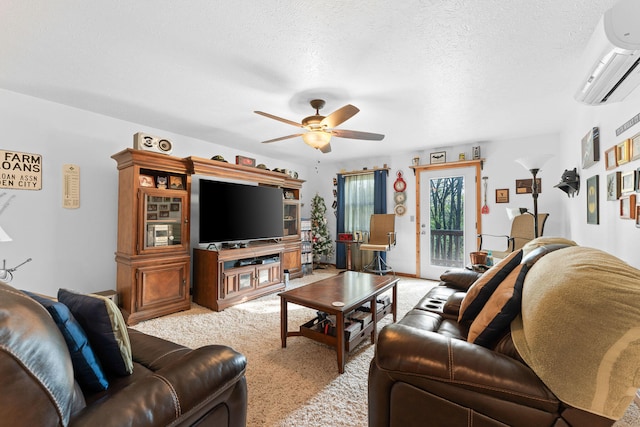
(20, 171)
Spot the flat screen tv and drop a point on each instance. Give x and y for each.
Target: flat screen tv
(231, 212)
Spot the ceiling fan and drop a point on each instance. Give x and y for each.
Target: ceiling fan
(320, 129)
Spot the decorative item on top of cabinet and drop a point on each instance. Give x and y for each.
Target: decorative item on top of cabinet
(152, 255)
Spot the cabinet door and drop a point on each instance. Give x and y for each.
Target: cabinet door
(268, 274)
(291, 219)
(164, 223)
(238, 280)
(162, 285)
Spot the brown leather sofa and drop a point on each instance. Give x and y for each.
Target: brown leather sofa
(170, 385)
(425, 373)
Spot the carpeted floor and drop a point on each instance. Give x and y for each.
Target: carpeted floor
(298, 385)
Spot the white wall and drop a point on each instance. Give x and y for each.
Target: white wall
(613, 234)
(74, 248)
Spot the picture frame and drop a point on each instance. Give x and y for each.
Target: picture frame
(593, 200)
(628, 184)
(175, 183)
(146, 181)
(161, 182)
(637, 180)
(523, 186)
(152, 216)
(591, 148)
(623, 152)
(174, 207)
(628, 206)
(245, 161)
(502, 195)
(152, 207)
(635, 146)
(610, 159)
(613, 186)
(164, 214)
(438, 157)
(638, 216)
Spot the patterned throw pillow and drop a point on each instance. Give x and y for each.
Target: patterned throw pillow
(480, 292)
(102, 321)
(502, 307)
(86, 365)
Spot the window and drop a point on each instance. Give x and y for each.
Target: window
(358, 202)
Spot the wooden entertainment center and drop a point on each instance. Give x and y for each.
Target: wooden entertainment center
(153, 251)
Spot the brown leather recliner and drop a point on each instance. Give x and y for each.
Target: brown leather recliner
(425, 373)
(170, 384)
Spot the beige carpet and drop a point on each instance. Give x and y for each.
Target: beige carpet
(299, 385)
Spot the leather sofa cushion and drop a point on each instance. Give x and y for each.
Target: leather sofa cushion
(86, 365)
(480, 292)
(502, 307)
(107, 331)
(459, 278)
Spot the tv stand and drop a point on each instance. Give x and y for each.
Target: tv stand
(230, 276)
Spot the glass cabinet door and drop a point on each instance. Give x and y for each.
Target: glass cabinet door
(291, 219)
(163, 219)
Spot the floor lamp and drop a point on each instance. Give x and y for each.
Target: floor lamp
(533, 164)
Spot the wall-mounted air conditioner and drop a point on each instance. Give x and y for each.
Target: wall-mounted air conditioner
(612, 57)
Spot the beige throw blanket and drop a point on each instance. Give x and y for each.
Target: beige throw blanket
(579, 329)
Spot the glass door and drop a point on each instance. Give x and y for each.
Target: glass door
(163, 219)
(448, 229)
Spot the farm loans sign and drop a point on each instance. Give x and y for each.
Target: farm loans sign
(20, 171)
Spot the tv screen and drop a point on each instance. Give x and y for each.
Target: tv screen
(232, 212)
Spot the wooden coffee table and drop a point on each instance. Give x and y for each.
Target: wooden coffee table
(351, 288)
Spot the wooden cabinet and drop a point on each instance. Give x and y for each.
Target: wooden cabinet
(292, 261)
(152, 254)
(153, 251)
(226, 277)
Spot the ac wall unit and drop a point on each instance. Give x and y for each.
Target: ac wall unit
(612, 56)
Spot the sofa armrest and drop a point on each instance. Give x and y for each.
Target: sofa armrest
(459, 278)
(443, 365)
(195, 383)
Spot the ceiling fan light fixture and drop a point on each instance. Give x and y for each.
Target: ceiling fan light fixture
(316, 138)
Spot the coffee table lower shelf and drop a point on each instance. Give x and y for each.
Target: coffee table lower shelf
(352, 338)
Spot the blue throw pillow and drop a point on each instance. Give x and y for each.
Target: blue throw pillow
(86, 366)
(102, 321)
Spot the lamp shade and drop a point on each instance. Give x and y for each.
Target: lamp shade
(4, 237)
(534, 162)
(316, 138)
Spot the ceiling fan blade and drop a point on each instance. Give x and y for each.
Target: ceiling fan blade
(340, 116)
(354, 134)
(280, 119)
(326, 148)
(281, 138)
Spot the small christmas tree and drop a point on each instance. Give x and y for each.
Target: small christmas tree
(322, 243)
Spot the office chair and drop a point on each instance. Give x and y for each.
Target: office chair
(521, 233)
(382, 236)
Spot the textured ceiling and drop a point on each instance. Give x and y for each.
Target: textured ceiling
(425, 73)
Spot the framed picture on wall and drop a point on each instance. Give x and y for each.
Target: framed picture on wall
(502, 195)
(613, 186)
(591, 148)
(628, 207)
(623, 152)
(610, 158)
(628, 182)
(593, 202)
(635, 147)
